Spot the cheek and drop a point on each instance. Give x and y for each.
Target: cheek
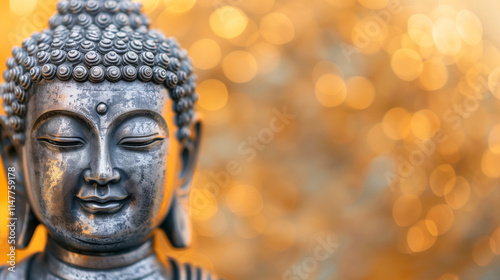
(58, 175)
(144, 176)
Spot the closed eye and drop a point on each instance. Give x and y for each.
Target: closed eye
(140, 141)
(63, 142)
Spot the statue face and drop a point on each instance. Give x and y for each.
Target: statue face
(96, 161)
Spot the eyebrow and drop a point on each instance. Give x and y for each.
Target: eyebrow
(141, 112)
(143, 136)
(70, 114)
(90, 124)
(60, 136)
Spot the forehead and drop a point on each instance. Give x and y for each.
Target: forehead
(83, 98)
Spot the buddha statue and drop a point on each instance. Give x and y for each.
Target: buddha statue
(101, 135)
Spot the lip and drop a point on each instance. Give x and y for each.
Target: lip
(100, 205)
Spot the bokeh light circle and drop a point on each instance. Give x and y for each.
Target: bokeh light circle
(396, 123)
(442, 216)
(434, 75)
(331, 90)
(374, 4)
(228, 21)
(23, 8)
(469, 27)
(406, 210)
(205, 53)
(360, 93)
(424, 124)
(407, 64)
(258, 6)
(179, 6)
(244, 200)
(421, 236)
(240, 66)
(277, 28)
(446, 36)
(420, 30)
(213, 94)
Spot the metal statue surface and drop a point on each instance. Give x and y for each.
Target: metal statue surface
(102, 137)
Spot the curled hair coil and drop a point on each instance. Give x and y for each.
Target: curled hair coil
(16, 123)
(32, 49)
(92, 7)
(148, 58)
(29, 62)
(15, 73)
(120, 47)
(87, 46)
(93, 36)
(80, 73)
(68, 19)
(135, 46)
(74, 56)
(97, 74)
(145, 73)
(102, 20)
(129, 73)
(19, 109)
(57, 57)
(183, 133)
(92, 58)
(36, 74)
(11, 63)
(84, 20)
(182, 77)
(25, 81)
(150, 46)
(111, 6)
(105, 46)
(64, 72)
(174, 65)
(63, 7)
(162, 60)
(159, 75)
(76, 6)
(171, 80)
(130, 58)
(49, 71)
(111, 58)
(8, 97)
(113, 74)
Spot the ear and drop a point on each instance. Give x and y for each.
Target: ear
(11, 152)
(177, 224)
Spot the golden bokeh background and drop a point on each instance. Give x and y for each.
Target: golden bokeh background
(393, 151)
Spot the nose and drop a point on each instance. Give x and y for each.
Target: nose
(101, 170)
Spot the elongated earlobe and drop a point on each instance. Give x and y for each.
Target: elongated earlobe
(23, 217)
(177, 225)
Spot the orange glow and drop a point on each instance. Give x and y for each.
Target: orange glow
(375, 123)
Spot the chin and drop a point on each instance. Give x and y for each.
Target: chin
(100, 244)
(113, 233)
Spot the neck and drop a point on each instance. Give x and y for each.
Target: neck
(105, 261)
(139, 263)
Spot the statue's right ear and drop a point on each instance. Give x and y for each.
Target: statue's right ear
(24, 218)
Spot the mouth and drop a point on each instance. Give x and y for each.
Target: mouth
(102, 205)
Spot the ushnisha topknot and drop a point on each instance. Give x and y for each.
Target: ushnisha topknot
(93, 41)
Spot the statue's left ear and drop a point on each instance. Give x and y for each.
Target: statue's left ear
(177, 224)
(11, 151)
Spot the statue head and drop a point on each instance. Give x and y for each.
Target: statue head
(100, 128)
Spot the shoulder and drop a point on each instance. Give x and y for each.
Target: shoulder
(18, 272)
(186, 271)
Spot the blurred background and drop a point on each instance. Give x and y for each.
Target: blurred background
(344, 139)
